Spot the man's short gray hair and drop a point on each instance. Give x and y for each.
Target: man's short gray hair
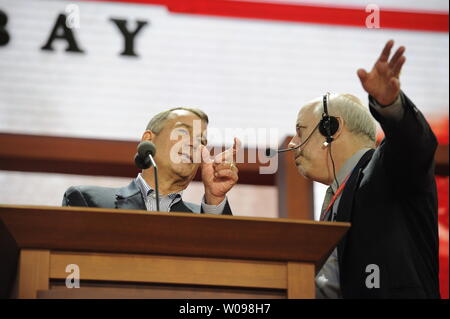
(355, 115)
(156, 124)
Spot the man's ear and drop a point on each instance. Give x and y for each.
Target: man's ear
(340, 129)
(148, 136)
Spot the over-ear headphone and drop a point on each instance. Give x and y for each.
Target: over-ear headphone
(328, 125)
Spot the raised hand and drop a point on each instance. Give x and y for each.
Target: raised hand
(219, 174)
(382, 82)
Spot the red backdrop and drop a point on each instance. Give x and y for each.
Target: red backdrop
(440, 128)
(442, 184)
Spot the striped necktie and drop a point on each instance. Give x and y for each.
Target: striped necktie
(326, 202)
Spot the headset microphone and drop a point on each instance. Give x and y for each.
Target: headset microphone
(271, 152)
(328, 126)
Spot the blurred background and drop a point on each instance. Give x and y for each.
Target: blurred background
(79, 81)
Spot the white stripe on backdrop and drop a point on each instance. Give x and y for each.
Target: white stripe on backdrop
(243, 73)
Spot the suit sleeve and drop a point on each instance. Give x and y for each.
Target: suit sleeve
(9, 258)
(74, 197)
(221, 209)
(409, 146)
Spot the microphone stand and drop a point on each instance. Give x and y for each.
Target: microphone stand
(155, 170)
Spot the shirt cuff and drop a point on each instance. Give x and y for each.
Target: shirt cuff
(213, 209)
(394, 111)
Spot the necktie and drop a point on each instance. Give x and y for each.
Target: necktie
(326, 202)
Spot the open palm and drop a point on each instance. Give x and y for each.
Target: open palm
(382, 82)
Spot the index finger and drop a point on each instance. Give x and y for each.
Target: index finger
(205, 156)
(237, 145)
(229, 154)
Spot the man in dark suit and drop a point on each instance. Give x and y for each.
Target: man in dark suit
(9, 256)
(387, 193)
(179, 135)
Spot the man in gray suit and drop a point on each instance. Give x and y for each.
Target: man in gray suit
(179, 135)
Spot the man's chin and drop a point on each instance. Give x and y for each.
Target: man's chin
(301, 170)
(184, 170)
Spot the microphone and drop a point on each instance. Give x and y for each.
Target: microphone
(142, 162)
(144, 159)
(146, 148)
(141, 159)
(270, 152)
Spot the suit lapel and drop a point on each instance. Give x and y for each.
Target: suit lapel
(346, 201)
(130, 197)
(345, 208)
(180, 207)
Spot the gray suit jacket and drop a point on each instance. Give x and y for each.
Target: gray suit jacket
(128, 197)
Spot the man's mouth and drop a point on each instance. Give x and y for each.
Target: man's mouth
(297, 158)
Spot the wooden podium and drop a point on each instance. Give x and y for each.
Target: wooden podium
(140, 254)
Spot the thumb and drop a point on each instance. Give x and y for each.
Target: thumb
(362, 74)
(395, 84)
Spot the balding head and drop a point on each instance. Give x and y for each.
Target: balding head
(356, 130)
(354, 114)
(157, 122)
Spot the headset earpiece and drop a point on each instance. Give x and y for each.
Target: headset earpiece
(328, 125)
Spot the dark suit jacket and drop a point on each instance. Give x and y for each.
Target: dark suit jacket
(9, 257)
(391, 201)
(128, 197)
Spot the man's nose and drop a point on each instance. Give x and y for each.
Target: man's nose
(294, 142)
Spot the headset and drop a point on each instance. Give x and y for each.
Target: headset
(328, 125)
